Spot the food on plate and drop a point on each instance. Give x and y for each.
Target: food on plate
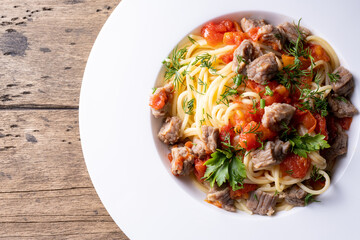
(255, 114)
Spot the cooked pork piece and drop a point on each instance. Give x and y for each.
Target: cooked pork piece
(344, 84)
(263, 69)
(272, 154)
(170, 131)
(244, 54)
(248, 23)
(165, 93)
(270, 35)
(221, 196)
(295, 196)
(182, 161)
(210, 137)
(290, 33)
(262, 203)
(208, 142)
(277, 115)
(341, 107)
(199, 147)
(338, 147)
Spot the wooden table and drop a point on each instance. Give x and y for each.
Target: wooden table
(45, 190)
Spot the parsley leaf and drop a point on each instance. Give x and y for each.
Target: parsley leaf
(225, 165)
(302, 145)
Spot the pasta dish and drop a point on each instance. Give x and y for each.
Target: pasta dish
(254, 114)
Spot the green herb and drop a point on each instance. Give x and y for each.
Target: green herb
(315, 175)
(254, 107)
(290, 172)
(334, 77)
(340, 98)
(202, 83)
(287, 133)
(238, 80)
(314, 101)
(226, 165)
(302, 145)
(172, 66)
(268, 91)
(253, 129)
(194, 90)
(226, 94)
(188, 106)
(256, 198)
(276, 193)
(154, 90)
(208, 116)
(205, 61)
(262, 103)
(309, 199)
(193, 41)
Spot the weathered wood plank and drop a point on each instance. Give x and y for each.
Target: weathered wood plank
(44, 45)
(45, 190)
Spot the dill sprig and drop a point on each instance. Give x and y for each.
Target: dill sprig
(206, 62)
(172, 66)
(188, 106)
(314, 101)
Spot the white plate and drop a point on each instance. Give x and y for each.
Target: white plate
(131, 177)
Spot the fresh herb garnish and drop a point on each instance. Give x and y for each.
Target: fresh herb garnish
(268, 91)
(193, 41)
(289, 172)
(202, 83)
(188, 106)
(154, 90)
(256, 198)
(309, 199)
(194, 90)
(314, 101)
(172, 66)
(315, 175)
(334, 77)
(226, 165)
(340, 98)
(262, 103)
(302, 145)
(205, 62)
(226, 94)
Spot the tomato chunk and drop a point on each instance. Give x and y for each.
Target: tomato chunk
(243, 192)
(200, 168)
(158, 100)
(345, 123)
(318, 53)
(295, 166)
(321, 126)
(305, 118)
(214, 32)
(234, 38)
(253, 134)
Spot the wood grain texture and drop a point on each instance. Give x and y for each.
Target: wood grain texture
(45, 190)
(44, 46)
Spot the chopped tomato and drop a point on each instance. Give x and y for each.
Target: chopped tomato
(289, 60)
(321, 125)
(200, 168)
(345, 122)
(226, 132)
(280, 93)
(316, 185)
(305, 118)
(215, 203)
(189, 144)
(158, 99)
(234, 38)
(243, 192)
(295, 166)
(227, 57)
(318, 53)
(252, 115)
(214, 32)
(252, 134)
(170, 157)
(253, 33)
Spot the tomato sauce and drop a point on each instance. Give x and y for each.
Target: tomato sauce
(214, 32)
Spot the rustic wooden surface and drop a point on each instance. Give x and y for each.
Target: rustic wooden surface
(45, 190)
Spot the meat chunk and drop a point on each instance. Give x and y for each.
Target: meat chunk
(272, 154)
(295, 196)
(248, 23)
(244, 54)
(290, 32)
(170, 131)
(270, 35)
(160, 100)
(338, 147)
(208, 142)
(263, 69)
(182, 161)
(341, 107)
(262, 203)
(344, 85)
(277, 115)
(210, 136)
(221, 197)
